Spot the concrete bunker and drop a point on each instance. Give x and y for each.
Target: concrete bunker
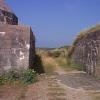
(17, 42)
(86, 51)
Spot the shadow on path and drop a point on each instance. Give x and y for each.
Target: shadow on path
(38, 65)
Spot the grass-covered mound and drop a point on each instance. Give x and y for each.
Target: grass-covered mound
(80, 36)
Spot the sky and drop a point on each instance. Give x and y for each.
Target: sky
(56, 23)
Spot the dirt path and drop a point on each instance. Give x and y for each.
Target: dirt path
(48, 88)
(79, 85)
(61, 85)
(72, 85)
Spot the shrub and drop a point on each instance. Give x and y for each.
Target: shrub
(29, 76)
(12, 75)
(25, 76)
(2, 79)
(76, 66)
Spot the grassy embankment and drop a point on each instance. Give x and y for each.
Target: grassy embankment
(47, 62)
(57, 57)
(67, 64)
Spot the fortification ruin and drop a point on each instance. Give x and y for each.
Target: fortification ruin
(17, 42)
(86, 51)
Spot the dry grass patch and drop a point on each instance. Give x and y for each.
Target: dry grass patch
(49, 64)
(95, 95)
(67, 64)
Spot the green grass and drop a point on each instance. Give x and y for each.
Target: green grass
(25, 76)
(76, 66)
(67, 64)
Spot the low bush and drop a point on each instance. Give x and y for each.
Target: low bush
(29, 76)
(76, 66)
(25, 76)
(2, 79)
(12, 75)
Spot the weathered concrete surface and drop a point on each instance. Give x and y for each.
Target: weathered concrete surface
(8, 18)
(17, 42)
(6, 15)
(17, 47)
(87, 53)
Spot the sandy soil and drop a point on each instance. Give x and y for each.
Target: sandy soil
(74, 85)
(61, 85)
(79, 85)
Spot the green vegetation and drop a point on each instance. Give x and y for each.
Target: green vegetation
(25, 76)
(76, 66)
(67, 64)
(81, 36)
(57, 57)
(29, 76)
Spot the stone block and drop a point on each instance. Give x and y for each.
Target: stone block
(17, 47)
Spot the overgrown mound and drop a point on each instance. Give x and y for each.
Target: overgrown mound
(81, 35)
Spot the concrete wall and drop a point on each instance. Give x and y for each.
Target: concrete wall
(87, 53)
(17, 42)
(17, 47)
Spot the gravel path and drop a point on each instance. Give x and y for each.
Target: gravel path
(80, 86)
(72, 85)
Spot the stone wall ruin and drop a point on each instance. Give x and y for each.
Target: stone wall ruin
(87, 52)
(17, 42)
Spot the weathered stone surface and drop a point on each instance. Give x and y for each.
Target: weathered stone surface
(8, 18)
(6, 15)
(87, 53)
(17, 42)
(17, 47)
